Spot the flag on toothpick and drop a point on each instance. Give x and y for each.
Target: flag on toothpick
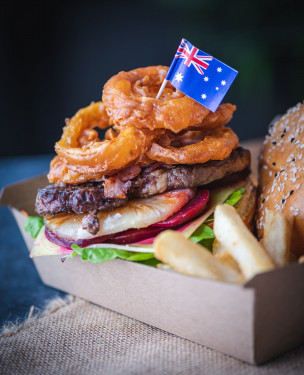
(199, 75)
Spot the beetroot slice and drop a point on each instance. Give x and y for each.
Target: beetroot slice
(134, 235)
(123, 238)
(68, 243)
(192, 209)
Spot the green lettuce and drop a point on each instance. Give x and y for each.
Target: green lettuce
(101, 255)
(235, 197)
(33, 225)
(204, 235)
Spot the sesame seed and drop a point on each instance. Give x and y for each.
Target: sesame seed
(274, 143)
(292, 139)
(273, 163)
(283, 201)
(263, 200)
(282, 135)
(291, 192)
(276, 174)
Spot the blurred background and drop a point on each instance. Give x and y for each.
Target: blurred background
(57, 55)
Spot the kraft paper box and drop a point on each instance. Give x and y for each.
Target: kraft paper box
(254, 322)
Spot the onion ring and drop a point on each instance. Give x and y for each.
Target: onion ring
(108, 155)
(82, 124)
(95, 157)
(216, 145)
(59, 173)
(130, 101)
(216, 119)
(111, 134)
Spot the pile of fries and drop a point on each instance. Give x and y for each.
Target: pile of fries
(237, 255)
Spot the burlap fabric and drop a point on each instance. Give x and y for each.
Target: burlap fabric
(76, 337)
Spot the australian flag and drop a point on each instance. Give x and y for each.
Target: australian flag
(200, 76)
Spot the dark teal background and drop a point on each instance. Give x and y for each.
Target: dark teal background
(57, 55)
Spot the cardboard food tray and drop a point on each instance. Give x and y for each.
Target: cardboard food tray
(254, 322)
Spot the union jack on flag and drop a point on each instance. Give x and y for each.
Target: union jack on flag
(192, 56)
(200, 76)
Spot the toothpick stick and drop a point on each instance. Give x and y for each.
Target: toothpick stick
(162, 88)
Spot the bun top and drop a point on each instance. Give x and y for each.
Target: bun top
(281, 169)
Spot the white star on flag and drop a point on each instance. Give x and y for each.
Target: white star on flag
(179, 77)
(204, 96)
(219, 69)
(206, 79)
(223, 83)
(216, 88)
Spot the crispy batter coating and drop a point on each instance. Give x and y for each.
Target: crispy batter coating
(217, 144)
(84, 154)
(130, 100)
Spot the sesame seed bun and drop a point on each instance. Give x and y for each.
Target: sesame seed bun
(281, 174)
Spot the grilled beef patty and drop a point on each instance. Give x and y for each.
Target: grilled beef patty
(155, 179)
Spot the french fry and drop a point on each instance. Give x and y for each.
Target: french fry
(224, 256)
(228, 260)
(217, 247)
(191, 259)
(232, 233)
(277, 237)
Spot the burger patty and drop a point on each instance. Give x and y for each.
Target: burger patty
(91, 197)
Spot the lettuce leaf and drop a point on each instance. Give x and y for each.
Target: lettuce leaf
(101, 255)
(231, 200)
(203, 235)
(235, 197)
(33, 225)
(150, 262)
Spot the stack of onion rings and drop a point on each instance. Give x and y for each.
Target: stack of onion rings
(130, 101)
(174, 129)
